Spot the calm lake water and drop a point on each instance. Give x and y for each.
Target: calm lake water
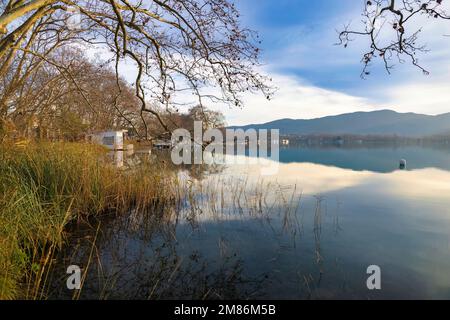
(308, 232)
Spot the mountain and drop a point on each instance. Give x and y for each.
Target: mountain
(383, 122)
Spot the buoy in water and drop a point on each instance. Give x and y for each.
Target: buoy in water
(402, 164)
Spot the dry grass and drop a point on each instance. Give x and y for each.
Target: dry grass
(43, 187)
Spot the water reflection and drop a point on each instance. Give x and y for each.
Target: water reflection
(146, 258)
(309, 232)
(376, 159)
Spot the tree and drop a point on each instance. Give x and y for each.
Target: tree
(83, 98)
(389, 27)
(175, 45)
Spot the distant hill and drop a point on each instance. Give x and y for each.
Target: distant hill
(383, 122)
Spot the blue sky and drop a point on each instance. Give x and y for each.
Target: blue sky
(305, 32)
(317, 78)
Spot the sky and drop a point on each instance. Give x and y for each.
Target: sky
(316, 78)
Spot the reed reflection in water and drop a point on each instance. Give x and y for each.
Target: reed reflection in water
(309, 232)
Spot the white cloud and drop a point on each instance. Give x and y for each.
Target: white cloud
(406, 90)
(429, 98)
(298, 100)
(302, 48)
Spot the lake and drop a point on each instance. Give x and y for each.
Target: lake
(308, 232)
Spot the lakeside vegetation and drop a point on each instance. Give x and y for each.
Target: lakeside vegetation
(77, 70)
(355, 141)
(46, 186)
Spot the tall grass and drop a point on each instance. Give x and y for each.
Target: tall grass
(44, 187)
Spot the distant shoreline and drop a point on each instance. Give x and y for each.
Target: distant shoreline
(355, 140)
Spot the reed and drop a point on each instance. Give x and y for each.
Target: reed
(46, 186)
